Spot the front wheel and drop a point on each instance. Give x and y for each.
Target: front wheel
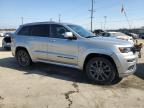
(101, 71)
(23, 58)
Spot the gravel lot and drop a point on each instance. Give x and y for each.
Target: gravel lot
(50, 86)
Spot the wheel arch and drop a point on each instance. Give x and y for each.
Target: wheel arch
(26, 49)
(93, 55)
(20, 48)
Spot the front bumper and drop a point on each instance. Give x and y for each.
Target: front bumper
(126, 64)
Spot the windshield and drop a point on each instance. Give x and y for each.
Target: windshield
(81, 31)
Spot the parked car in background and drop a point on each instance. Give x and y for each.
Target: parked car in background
(141, 36)
(98, 31)
(105, 60)
(6, 42)
(133, 35)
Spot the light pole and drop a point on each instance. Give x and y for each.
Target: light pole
(59, 18)
(105, 20)
(92, 11)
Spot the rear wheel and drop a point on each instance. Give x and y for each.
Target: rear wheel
(23, 58)
(101, 71)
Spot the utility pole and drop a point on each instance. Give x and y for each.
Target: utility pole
(59, 18)
(22, 19)
(92, 11)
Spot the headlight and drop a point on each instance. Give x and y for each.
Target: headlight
(125, 49)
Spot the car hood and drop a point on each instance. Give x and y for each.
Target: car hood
(110, 41)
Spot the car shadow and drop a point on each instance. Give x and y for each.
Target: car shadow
(59, 72)
(140, 70)
(43, 69)
(1, 49)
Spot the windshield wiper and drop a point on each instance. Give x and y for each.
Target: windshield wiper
(90, 36)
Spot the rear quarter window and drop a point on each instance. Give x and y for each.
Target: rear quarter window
(41, 30)
(24, 31)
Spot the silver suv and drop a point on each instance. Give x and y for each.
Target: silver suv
(105, 60)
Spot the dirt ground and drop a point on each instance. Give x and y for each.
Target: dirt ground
(50, 86)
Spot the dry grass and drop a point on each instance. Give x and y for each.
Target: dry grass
(141, 41)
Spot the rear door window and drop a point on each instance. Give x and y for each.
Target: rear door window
(41, 30)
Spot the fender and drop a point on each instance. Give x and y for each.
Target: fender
(83, 55)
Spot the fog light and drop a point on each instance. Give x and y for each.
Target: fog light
(131, 67)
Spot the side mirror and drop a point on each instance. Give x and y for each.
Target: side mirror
(69, 35)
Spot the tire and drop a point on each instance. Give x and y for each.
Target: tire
(23, 58)
(116, 80)
(101, 71)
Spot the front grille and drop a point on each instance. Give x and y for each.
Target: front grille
(131, 60)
